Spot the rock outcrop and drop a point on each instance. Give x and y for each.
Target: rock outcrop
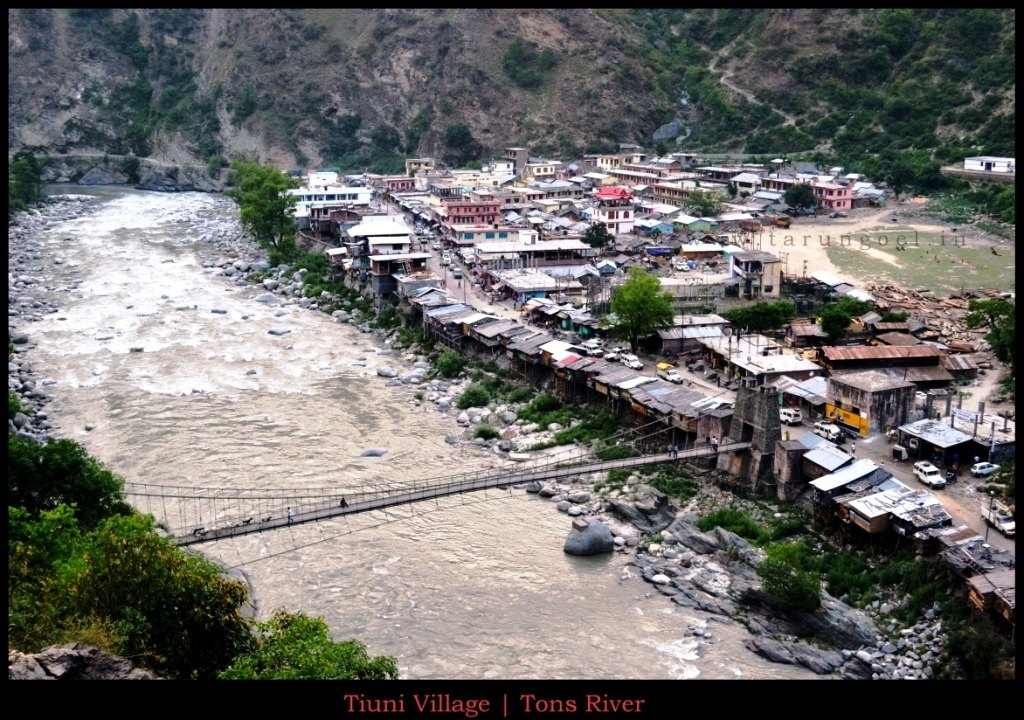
(72, 662)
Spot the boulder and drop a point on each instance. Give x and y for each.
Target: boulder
(649, 517)
(818, 661)
(278, 332)
(690, 536)
(579, 496)
(270, 284)
(267, 299)
(387, 372)
(533, 487)
(373, 452)
(72, 662)
(594, 539)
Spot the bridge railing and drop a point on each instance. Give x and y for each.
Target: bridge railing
(242, 507)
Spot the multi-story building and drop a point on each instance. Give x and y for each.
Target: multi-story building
(614, 209)
(542, 170)
(469, 211)
(415, 165)
(759, 274)
(518, 156)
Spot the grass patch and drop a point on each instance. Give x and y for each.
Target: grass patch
(486, 432)
(13, 405)
(940, 268)
(734, 520)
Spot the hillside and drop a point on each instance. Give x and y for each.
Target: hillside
(360, 88)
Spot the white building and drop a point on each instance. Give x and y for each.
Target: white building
(323, 188)
(382, 234)
(987, 163)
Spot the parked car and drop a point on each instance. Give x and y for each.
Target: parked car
(983, 469)
(672, 376)
(929, 474)
(829, 431)
(791, 416)
(457, 273)
(613, 355)
(999, 517)
(632, 362)
(435, 245)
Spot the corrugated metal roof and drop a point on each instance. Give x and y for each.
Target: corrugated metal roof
(897, 339)
(879, 352)
(830, 458)
(846, 475)
(932, 373)
(958, 362)
(935, 433)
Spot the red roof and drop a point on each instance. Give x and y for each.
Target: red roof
(613, 192)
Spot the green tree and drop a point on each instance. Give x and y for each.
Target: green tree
(460, 144)
(297, 647)
(786, 581)
(762, 315)
(835, 321)
(386, 138)
(175, 609)
(266, 208)
(1000, 317)
(43, 476)
(705, 204)
(24, 182)
(597, 236)
(641, 307)
(450, 363)
(800, 196)
(526, 66)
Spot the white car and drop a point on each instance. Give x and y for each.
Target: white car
(632, 362)
(828, 430)
(929, 474)
(613, 356)
(672, 376)
(791, 416)
(436, 246)
(983, 469)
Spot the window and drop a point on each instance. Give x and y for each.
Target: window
(489, 236)
(502, 235)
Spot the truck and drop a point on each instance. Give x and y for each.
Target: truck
(999, 516)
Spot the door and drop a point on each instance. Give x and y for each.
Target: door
(988, 167)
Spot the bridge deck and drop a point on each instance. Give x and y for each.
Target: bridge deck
(496, 480)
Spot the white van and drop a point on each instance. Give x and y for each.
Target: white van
(828, 430)
(791, 416)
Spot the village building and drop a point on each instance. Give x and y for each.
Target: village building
(614, 209)
(415, 165)
(380, 234)
(919, 364)
(756, 357)
(869, 401)
(987, 163)
(759, 274)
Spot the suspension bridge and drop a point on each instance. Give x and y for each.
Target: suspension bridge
(198, 514)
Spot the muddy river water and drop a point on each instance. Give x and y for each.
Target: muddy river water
(476, 587)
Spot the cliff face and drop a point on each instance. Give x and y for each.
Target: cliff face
(363, 87)
(72, 662)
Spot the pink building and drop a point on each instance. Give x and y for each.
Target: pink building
(832, 196)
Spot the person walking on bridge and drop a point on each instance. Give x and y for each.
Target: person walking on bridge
(289, 515)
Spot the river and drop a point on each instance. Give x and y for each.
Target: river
(465, 588)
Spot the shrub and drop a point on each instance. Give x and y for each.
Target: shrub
(13, 405)
(786, 582)
(735, 521)
(473, 396)
(294, 646)
(518, 395)
(615, 452)
(450, 364)
(485, 432)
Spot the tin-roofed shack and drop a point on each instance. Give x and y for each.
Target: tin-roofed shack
(930, 439)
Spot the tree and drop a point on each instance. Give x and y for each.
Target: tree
(705, 204)
(265, 207)
(788, 584)
(386, 138)
(641, 307)
(597, 236)
(297, 647)
(834, 322)
(525, 66)
(174, 609)
(24, 182)
(461, 145)
(731, 187)
(1000, 317)
(42, 477)
(836, 317)
(761, 316)
(800, 196)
